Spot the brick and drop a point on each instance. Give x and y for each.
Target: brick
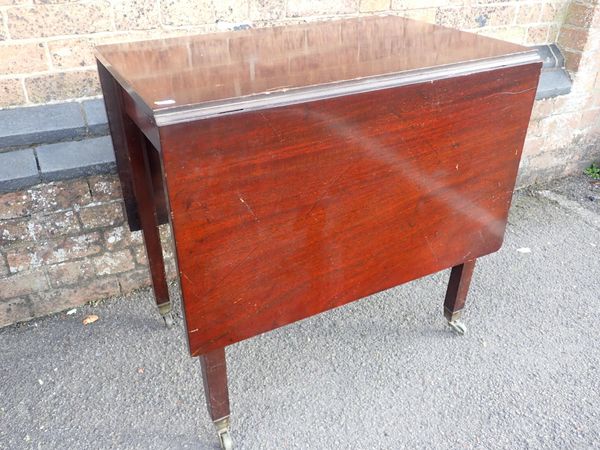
(135, 279)
(414, 4)
(61, 19)
(529, 13)
(62, 86)
(560, 128)
(187, 12)
(136, 14)
(19, 230)
(105, 188)
(18, 170)
(596, 19)
(475, 17)
(3, 265)
(301, 8)
(140, 255)
(579, 15)
(74, 159)
(542, 108)
(267, 9)
(231, 10)
(424, 15)
(537, 34)
(553, 32)
(374, 5)
(572, 38)
(511, 34)
(15, 310)
(60, 195)
(107, 215)
(534, 146)
(590, 119)
(35, 125)
(13, 2)
(95, 115)
(52, 252)
(22, 284)
(59, 224)
(15, 204)
(114, 262)
(22, 58)
(71, 272)
(170, 269)
(65, 298)
(11, 93)
(572, 60)
(120, 237)
(71, 53)
(553, 11)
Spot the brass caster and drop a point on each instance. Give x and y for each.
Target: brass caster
(457, 326)
(169, 320)
(225, 440)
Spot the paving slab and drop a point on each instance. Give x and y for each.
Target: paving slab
(381, 373)
(18, 170)
(41, 124)
(95, 115)
(76, 158)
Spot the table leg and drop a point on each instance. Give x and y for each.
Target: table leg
(114, 110)
(144, 195)
(458, 287)
(214, 375)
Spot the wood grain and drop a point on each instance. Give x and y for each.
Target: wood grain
(284, 213)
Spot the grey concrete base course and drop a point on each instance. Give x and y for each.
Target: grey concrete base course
(39, 124)
(95, 115)
(74, 159)
(381, 373)
(18, 170)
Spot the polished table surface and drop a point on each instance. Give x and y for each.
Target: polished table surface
(305, 167)
(194, 71)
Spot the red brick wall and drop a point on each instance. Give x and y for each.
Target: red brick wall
(64, 244)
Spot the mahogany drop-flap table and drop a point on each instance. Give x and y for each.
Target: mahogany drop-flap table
(304, 167)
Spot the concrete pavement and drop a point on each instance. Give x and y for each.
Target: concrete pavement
(382, 373)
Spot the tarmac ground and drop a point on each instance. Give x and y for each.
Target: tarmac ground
(382, 373)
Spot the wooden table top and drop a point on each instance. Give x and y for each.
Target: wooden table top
(184, 78)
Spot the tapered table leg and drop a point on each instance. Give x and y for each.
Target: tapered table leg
(133, 160)
(214, 375)
(144, 194)
(456, 294)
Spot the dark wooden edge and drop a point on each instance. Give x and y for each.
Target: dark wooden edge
(145, 114)
(214, 376)
(458, 288)
(114, 112)
(188, 113)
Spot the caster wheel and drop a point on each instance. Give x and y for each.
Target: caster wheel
(458, 327)
(169, 320)
(226, 441)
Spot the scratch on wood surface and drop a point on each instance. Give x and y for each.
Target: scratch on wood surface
(277, 132)
(512, 93)
(431, 248)
(327, 187)
(245, 203)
